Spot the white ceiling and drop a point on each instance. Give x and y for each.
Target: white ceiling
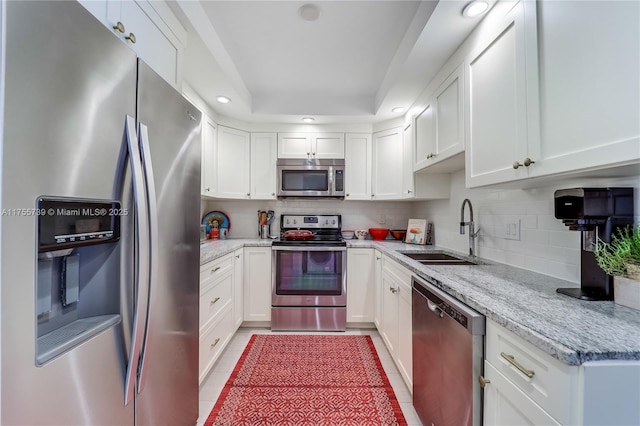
(354, 64)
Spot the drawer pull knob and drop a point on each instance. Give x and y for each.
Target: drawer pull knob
(483, 382)
(214, 301)
(215, 342)
(119, 26)
(512, 360)
(216, 269)
(131, 37)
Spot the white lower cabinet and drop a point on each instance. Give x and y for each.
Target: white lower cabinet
(216, 310)
(361, 285)
(238, 303)
(257, 284)
(395, 316)
(528, 386)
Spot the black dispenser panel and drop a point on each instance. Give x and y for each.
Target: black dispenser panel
(65, 223)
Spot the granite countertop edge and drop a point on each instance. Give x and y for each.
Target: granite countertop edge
(522, 301)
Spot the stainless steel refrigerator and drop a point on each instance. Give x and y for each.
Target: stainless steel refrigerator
(99, 228)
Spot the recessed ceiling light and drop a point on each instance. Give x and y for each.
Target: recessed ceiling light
(223, 99)
(397, 109)
(475, 8)
(309, 12)
(308, 119)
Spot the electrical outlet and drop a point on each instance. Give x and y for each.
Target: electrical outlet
(382, 219)
(512, 229)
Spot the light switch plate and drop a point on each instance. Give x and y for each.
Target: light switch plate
(512, 229)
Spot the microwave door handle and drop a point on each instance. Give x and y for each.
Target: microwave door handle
(331, 180)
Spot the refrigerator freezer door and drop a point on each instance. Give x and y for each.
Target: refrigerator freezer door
(168, 387)
(68, 85)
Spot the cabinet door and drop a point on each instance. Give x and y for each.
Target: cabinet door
(589, 98)
(425, 131)
(294, 145)
(257, 283)
(377, 312)
(506, 404)
(389, 320)
(405, 356)
(263, 166)
(155, 42)
(361, 284)
(238, 303)
(498, 73)
(408, 184)
(449, 116)
(233, 160)
(357, 160)
(387, 164)
(329, 145)
(209, 148)
(150, 29)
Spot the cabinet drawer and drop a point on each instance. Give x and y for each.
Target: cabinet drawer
(213, 340)
(215, 297)
(507, 404)
(400, 273)
(209, 271)
(552, 384)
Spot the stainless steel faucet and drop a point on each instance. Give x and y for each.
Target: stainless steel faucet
(472, 234)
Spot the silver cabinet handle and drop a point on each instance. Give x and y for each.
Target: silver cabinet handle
(215, 342)
(512, 360)
(394, 290)
(216, 269)
(483, 382)
(237, 256)
(131, 37)
(213, 302)
(527, 162)
(207, 189)
(409, 191)
(119, 26)
(431, 155)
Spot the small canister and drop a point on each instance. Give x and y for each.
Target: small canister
(264, 231)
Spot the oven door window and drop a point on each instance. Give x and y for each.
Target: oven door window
(305, 180)
(309, 273)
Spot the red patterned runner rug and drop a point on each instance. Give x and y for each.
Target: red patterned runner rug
(307, 380)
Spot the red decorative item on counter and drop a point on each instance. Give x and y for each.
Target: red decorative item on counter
(378, 233)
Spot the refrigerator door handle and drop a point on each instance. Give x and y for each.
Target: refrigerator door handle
(142, 255)
(143, 135)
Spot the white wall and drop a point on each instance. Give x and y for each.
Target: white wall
(545, 246)
(243, 214)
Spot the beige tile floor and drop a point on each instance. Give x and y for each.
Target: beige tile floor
(219, 374)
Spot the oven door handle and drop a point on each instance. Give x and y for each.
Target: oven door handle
(308, 248)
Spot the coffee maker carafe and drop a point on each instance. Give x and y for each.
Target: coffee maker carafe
(598, 213)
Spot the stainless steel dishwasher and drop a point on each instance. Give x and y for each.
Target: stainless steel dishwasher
(448, 351)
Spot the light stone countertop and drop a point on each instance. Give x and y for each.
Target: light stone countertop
(571, 330)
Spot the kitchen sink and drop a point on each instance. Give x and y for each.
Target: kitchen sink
(437, 259)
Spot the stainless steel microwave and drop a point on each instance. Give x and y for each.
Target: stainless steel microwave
(310, 178)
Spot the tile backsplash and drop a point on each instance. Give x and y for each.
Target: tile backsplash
(243, 214)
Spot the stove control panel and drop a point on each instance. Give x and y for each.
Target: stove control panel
(311, 221)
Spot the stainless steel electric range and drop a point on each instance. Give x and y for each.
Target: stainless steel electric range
(309, 282)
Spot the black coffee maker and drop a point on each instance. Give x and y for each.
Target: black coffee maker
(598, 213)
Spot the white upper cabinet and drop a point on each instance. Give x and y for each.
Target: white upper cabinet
(357, 158)
(149, 28)
(387, 164)
(233, 160)
(311, 145)
(439, 128)
(208, 164)
(263, 166)
(589, 85)
(502, 113)
(408, 184)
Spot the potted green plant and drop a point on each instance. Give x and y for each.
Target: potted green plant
(621, 259)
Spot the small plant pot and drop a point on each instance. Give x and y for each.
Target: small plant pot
(626, 292)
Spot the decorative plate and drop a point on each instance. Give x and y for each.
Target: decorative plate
(221, 217)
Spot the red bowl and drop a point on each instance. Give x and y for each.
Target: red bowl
(399, 234)
(378, 233)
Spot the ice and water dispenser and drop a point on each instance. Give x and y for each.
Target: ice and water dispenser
(78, 272)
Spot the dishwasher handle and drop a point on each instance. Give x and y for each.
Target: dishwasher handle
(434, 308)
